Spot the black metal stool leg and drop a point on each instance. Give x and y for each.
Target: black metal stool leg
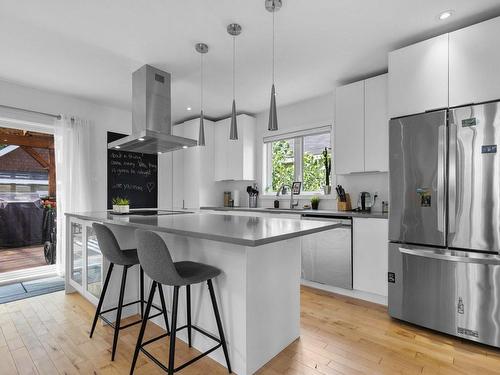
(163, 307)
(188, 312)
(219, 324)
(119, 312)
(101, 299)
(143, 326)
(171, 353)
(142, 291)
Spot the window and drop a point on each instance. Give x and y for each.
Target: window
(297, 157)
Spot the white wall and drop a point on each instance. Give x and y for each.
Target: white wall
(104, 118)
(308, 113)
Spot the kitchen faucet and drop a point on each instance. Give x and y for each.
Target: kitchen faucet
(282, 189)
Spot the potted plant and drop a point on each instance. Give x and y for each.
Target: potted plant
(327, 161)
(315, 202)
(121, 205)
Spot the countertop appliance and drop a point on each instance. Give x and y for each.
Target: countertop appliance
(151, 115)
(365, 201)
(444, 223)
(327, 256)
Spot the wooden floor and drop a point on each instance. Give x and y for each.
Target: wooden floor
(18, 258)
(340, 335)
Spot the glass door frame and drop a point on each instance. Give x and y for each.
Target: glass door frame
(71, 285)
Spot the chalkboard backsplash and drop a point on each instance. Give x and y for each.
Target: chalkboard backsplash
(133, 176)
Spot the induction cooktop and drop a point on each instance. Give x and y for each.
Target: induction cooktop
(151, 213)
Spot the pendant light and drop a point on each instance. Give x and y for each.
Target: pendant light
(234, 30)
(273, 6)
(201, 48)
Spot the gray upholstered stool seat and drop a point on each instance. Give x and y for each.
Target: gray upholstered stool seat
(193, 273)
(127, 258)
(157, 263)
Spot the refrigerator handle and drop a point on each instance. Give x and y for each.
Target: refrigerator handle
(452, 256)
(452, 173)
(441, 176)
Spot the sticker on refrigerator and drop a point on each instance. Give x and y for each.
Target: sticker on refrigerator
(424, 197)
(469, 122)
(489, 149)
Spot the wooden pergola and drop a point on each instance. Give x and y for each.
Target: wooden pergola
(29, 141)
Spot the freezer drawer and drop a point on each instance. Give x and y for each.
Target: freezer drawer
(417, 164)
(474, 186)
(455, 292)
(327, 256)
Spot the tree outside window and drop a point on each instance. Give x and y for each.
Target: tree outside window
(307, 150)
(313, 168)
(283, 163)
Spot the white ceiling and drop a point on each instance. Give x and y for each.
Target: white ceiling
(90, 48)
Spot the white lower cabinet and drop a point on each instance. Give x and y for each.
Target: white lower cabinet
(370, 255)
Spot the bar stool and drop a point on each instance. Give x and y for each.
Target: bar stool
(126, 258)
(157, 262)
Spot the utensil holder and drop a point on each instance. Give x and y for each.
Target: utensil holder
(252, 201)
(344, 206)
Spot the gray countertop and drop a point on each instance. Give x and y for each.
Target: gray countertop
(240, 230)
(309, 212)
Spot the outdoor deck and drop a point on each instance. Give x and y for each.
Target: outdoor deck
(17, 258)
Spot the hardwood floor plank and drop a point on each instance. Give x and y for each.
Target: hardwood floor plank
(339, 335)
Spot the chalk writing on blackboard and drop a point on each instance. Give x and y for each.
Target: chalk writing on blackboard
(132, 175)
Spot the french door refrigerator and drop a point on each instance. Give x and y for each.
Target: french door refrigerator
(444, 223)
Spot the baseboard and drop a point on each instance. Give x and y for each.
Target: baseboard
(370, 297)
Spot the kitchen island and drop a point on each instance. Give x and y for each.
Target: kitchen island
(258, 290)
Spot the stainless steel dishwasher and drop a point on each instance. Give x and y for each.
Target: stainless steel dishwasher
(327, 256)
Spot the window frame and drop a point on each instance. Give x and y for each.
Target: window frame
(298, 138)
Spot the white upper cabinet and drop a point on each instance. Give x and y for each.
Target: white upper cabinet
(235, 159)
(418, 77)
(197, 177)
(376, 124)
(361, 121)
(475, 63)
(171, 176)
(349, 125)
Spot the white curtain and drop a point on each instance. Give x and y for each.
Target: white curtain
(72, 149)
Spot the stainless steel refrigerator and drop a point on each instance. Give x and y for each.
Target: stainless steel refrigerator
(444, 223)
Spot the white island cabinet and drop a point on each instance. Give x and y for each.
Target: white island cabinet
(418, 77)
(258, 290)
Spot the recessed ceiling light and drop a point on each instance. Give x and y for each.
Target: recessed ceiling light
(446, 14)
(140, 139)
(117, 146)
(188, 108)
(159, 152)
(184, 146)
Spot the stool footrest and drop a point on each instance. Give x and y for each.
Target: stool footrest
(198, 357)
(128, 304)
(105, 320)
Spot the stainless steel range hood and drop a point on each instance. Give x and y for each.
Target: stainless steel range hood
(151, 115)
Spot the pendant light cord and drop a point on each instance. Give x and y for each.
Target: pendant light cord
(234, 68)
(201, 83)
(274, 46)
